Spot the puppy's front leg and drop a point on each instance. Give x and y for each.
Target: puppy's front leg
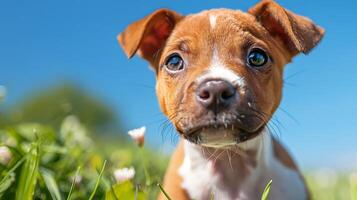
(172, 180)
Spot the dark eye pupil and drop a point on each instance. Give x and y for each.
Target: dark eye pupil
(257, 58)
(174, 63)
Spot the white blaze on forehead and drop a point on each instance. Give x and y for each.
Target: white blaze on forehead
(212, 20)
(217, 70)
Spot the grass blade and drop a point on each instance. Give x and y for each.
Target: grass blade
(5, 181)
(98, 181)
(28, 176)
(6, 184)
(164, 192)
(265, 194)
(51, 184)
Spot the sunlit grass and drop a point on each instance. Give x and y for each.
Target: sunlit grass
(29, 173)
(328, 184)
(266, 191)
(45, 164)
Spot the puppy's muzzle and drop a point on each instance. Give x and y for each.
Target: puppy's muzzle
(216, 95)
(223, 117)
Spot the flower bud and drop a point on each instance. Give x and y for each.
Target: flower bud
(5, 155)
(138, 135)
(124, 174)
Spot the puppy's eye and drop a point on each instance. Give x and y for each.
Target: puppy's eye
(257, 58)
(174, 63)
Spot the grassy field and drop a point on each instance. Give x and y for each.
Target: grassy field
(38, 162)
(330, 185)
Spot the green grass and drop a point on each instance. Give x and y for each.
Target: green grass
(331, 185)
(68, 164)
(266, 191)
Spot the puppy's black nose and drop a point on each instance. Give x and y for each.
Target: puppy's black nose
(216, 94)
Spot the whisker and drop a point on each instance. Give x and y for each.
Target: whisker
(289, 115)
(215, 160)
(229, 159)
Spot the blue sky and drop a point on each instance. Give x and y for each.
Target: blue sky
(43, 43)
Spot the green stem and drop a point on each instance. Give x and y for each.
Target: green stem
(147, 176)
(98, 180)
(73, 182)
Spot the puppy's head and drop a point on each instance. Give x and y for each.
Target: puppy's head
(220, 72)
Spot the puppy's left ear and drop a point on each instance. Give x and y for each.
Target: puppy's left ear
(148, 36)
(298, 33)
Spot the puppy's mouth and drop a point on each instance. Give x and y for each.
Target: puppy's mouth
(220, 136)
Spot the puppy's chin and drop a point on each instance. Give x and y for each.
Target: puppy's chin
(221, 137)
(217, 138)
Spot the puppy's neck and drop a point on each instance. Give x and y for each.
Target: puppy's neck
(229, 168)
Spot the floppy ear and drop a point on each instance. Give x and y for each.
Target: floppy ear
(148, 36)
(298, 33)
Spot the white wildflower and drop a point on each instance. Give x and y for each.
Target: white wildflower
(124, 174)
(74, 131)
(5, 155)
(138, 135)
(77, 180)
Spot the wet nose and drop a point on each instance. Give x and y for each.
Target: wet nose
(216, 94)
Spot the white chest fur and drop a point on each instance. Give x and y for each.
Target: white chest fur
(202, 180)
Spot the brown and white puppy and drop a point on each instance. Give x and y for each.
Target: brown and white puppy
(219, 80)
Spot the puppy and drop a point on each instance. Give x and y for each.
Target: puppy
(219, 80)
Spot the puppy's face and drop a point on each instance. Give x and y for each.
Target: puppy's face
(219, 72)
(220, 80)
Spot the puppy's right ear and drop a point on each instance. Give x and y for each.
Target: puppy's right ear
(148, 36)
